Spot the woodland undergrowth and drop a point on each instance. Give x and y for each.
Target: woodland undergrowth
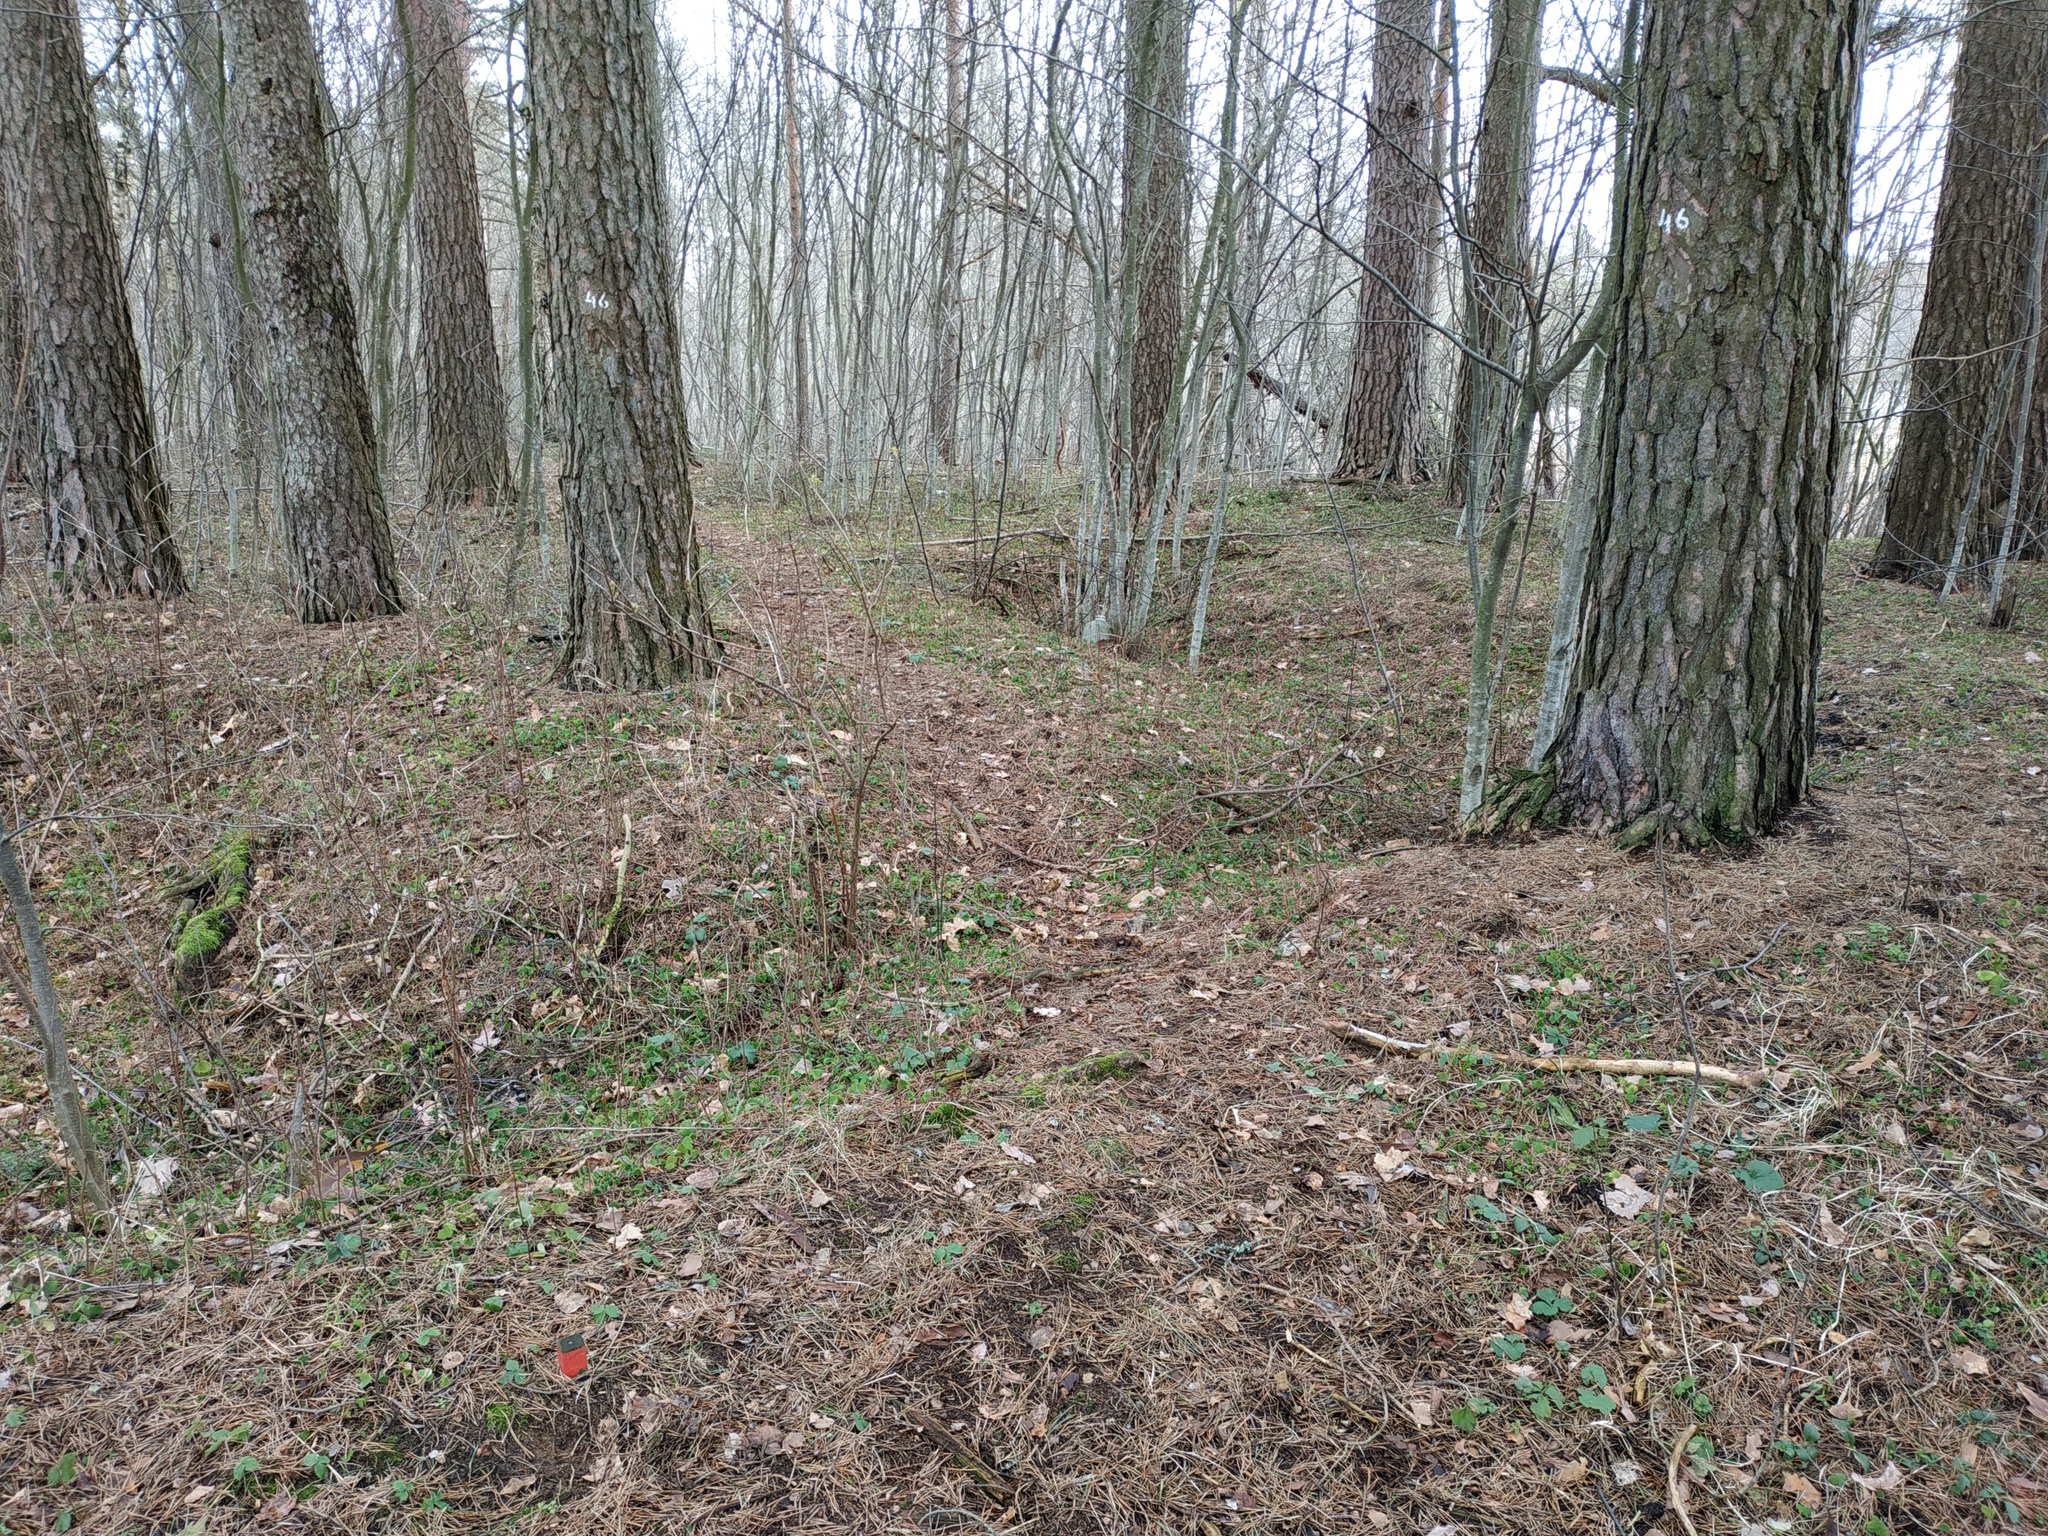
(912, 1064)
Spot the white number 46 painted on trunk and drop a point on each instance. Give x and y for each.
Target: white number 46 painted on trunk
(1680, 220)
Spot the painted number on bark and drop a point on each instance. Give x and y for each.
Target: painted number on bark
(598, 301)
(1678, 220)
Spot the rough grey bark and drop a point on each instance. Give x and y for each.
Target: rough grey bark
(1563, 649)
(331, 498)
(66, 1108)
(87, 441)
(1155, 239)
(945, 395)
(1381, 435)
(637, 615)
(1961, 426)
(1692, 704)
(1498, 236)
(799, 275)
(14, 362)
(465, 391)
(232, 338)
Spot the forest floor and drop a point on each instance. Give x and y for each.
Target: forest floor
(1031, 1184)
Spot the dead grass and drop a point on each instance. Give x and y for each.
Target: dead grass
(1088, 1224)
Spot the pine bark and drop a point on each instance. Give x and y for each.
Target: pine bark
(331, 497)
(1155, 235)
(1961, 417)
(1498, 230)
(466, 456)
(1692, 704)
(637, 616)
(86, 439)
(1381, 434)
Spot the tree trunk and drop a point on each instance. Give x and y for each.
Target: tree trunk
(87, 439)
(799, 278)
(233, 343)
(1960, 430)
(66, 1107)
(1155, 238)
(1498, 232)
(465, 391)
(1693, 697)
(945, 395)
(331, 499)
(14, 358)
(1381, 436)
(637, 616)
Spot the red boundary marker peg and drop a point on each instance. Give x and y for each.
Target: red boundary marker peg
(572, 1355)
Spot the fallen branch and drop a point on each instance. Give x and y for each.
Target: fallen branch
(1617, 1066)
(789, 1228)
(1674, 1479)
(964, 1455)
(1294, 789)
(1031, 858)
(1259, 379)
(614, 922)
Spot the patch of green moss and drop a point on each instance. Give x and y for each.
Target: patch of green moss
(202, 934)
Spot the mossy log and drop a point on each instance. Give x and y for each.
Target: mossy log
(207, 905)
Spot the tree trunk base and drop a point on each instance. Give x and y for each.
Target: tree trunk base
(1526, 800)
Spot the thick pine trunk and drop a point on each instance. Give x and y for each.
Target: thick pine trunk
(637, 616)
(86, 438)
(1499, 234)
(331, 499)
(1155, 234)
(1381, 435)
(1693, 699)
(465, 391)
(1961, 422)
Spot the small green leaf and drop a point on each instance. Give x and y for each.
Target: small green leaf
(1542, 1398)
(1584, 1137)
(65, 1471)
(1509, 1347)
(1644, 1123)
(1759, 1177)
(494, 1303)
(1592, 1375)
(514, 1374)
(1484, 1208)
(245, 1469)
(1599, 1402)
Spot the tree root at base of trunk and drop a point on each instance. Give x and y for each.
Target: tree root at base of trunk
(1526, 800)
